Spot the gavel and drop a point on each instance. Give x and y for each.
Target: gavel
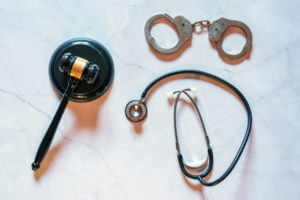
(78, 70)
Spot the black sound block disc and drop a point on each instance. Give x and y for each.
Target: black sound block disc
(94, 52)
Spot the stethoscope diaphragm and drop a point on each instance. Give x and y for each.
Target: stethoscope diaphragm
(136, 110)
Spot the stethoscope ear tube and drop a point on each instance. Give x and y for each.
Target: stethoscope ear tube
(185, 92)
(203, 174)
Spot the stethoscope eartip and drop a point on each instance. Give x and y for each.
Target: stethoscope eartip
(136, 110)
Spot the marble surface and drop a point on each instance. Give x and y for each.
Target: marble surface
(98, 154)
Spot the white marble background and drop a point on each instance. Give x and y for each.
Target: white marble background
(98, 154)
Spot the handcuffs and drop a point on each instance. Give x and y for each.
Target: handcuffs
(184, 29)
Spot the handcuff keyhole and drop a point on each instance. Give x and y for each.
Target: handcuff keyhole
(234, 39)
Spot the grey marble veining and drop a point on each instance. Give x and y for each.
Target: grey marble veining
(98, 154)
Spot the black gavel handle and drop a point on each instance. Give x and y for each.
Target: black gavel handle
(47, 140)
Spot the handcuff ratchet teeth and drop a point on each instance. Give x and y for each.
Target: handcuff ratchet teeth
(184, 29)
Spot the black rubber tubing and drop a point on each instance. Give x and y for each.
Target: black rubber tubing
(248, 129)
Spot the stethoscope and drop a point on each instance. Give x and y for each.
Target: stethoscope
(136, 110)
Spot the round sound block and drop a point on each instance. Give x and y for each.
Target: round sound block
(88, 49)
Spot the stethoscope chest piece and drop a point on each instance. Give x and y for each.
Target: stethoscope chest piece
(91, 51)
(136, 110)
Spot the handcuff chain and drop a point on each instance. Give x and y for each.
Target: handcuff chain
(202, 23)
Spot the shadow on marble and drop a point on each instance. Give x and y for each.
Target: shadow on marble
(138, 126)
(86, 117)
(48, 160)
(197, 186)
(247, 166)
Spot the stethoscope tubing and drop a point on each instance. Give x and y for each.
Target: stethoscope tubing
(245, 138)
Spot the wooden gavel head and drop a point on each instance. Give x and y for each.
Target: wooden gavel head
(79, 68)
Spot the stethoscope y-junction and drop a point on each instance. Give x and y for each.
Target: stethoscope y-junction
(136, 110)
